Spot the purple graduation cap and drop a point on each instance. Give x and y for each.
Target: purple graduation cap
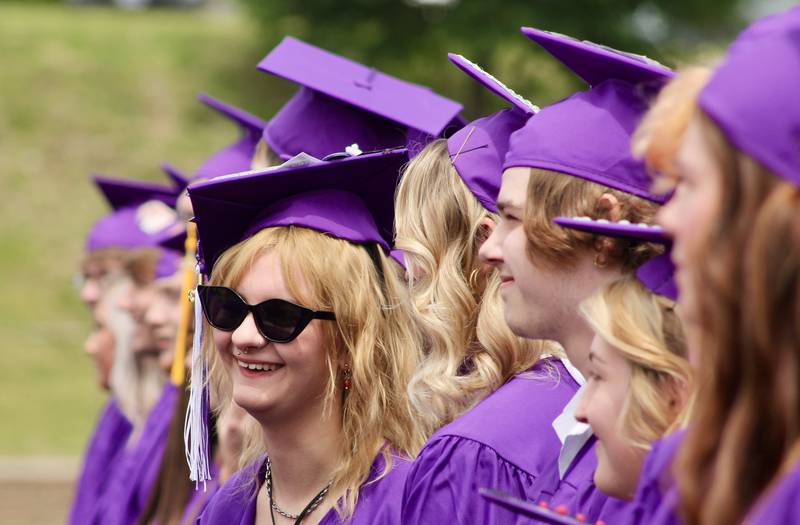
(754, 95)
(238, 156)
(657, 274)
(350, 198)
(128, 225)
(587, 134)
(477, 150)
(178, 178)
(342, 102)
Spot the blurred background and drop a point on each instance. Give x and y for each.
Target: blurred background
(109, 87)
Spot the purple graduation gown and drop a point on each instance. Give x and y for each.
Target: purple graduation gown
(504, 442)
(781, 504)
(133, 479)
(378, 503)
(107, 443)
(656, 500)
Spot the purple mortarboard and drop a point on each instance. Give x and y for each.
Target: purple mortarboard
(478, 149)
(342, 102)
(179, 179)
(121, 193)
(128, 225)
(754, 95)
(238, 156)
(588, 133)
(350, 198)
(657, 274)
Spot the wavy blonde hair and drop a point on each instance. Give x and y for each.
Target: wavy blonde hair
(470, 350)
(645, 329)
(373, 332)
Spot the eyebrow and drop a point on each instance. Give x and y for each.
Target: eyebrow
(506, 204)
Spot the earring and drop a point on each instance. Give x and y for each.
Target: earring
(348, 378)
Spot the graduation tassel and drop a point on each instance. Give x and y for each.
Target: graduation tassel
(178, 372)
(195, 429)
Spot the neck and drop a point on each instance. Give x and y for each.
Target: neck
(304, 452)
(576, 345)
(576, 333)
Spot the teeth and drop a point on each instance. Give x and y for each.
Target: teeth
(265, 366)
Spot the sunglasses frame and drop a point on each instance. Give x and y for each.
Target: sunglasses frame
(306, 314)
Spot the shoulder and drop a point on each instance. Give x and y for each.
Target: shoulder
(515, 421)
(233, 500)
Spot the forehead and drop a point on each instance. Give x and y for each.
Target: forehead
(264, 279)
(514, 188)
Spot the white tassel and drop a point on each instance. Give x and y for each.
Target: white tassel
(195, 429)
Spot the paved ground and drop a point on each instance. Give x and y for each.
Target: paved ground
(36, 490)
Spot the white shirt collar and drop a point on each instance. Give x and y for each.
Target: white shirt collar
(572, 433)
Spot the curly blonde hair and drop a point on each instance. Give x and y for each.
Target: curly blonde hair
(470, 351)
(373, 332)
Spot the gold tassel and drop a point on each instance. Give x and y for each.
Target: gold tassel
(178, 372)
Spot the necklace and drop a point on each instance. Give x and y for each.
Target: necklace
(313, 504)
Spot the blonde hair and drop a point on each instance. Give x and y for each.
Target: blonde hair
(264, 157)
(470, 349)
(552, 194)
(373, 332)
(645, 329)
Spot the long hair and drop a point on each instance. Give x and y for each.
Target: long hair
(645, 329)
(748, 376)
(373, 331)
(470, 351)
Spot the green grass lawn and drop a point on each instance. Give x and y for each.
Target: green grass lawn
(92, 90)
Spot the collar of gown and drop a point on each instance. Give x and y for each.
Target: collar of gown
(572, 433)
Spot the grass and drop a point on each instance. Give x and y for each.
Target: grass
(92, 90)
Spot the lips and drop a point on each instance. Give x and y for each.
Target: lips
(506, 279)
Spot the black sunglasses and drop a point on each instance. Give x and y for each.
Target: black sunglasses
(277, 320)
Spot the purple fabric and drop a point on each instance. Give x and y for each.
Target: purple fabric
(494, 85)
(588, 134)
(657, 274)
(595, 63)
(478, 150)
(383, 98)
(779, 505)
(123, 193)
(106, 445)
(576, 491)
(505, 442)
(168, 263)
(319, 125)
(199, 499)
(120, 228)
(351, 199)
(753, 94)
(238, 156)
(378, 503)
(656, 500)
(133, 479)
(179, 179)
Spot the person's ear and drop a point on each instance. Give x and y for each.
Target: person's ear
(485, 228)
(609, 208)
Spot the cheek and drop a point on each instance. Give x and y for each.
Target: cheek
(222, 342)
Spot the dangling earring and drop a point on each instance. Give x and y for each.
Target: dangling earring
(348, 378)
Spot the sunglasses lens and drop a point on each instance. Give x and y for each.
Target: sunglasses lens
(279, 320)
(223, 308)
